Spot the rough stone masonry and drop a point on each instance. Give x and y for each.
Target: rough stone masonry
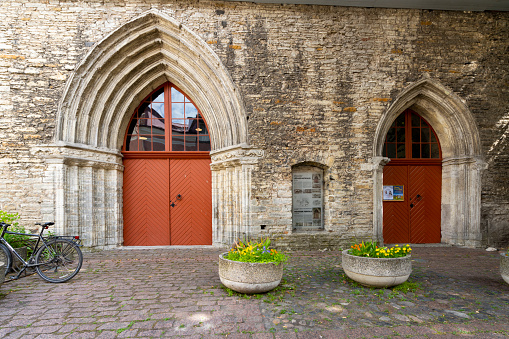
(314, 81)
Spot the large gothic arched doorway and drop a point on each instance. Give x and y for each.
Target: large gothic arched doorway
(167, 176)
(412, 182)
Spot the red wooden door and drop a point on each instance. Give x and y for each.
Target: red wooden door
(417, 218)
(415, 164)
(425, 193)
(191, 218)
(396, 213)
(146, 201)
(166, 155)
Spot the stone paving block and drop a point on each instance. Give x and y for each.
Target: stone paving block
(151, 333)
(113, 325)
(129, 333)
(106, 335)
(51, 336)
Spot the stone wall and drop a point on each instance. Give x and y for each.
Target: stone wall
(315, 82)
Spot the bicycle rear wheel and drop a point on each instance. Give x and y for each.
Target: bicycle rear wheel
(6, 258)
(59, 261)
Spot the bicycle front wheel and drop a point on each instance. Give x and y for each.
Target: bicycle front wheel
(58, 261)
(6, 258)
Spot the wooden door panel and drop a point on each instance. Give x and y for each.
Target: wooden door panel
(191, 218)
(146, 202)
(395, 213)
(425, 215)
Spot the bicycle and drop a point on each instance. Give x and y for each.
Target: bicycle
(56, 259)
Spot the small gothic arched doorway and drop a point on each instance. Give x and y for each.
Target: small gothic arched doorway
(412, 182)
(167, 176)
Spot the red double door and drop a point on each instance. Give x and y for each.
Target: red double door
(151, 186)
(416, 219)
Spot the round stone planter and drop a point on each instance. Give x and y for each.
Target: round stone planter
(504, 266)
(249, 277)
(377, 272)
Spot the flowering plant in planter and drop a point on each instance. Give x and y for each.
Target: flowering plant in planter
(372, 266)
(370, 249)
(253, 251)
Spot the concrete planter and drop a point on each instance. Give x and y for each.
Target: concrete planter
(504, 267)
(248, 277)
(377, 272)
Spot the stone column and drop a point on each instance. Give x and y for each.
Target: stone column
(87, 186)
(231, 193)
(378, 223)
(461, 201)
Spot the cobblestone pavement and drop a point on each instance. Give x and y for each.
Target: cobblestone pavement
(177, 293)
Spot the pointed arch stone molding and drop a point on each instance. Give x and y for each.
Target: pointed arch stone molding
(462, 159)
(132, 61)
(84, 163)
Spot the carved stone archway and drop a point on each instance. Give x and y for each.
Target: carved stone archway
(462, 160)
(85, 164)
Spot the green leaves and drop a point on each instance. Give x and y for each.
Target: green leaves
(13, 239)
(253, 251)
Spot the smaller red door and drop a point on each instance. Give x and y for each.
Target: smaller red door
(416, 165)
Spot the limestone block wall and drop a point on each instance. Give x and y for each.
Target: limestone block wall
(315, 82)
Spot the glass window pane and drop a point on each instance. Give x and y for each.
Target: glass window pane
(158, 96)
(176, 96)
(391, 135)
(192, 126)
(416, 135)
(391, 150)
(187, 100)
(158, 126)
(177, 143)
(401, 151)
(144, 110)
(435, 152)
(191, 143)
(158, 110)
(384, 152)
(131, 144)
(145, 144)
(145, 130)
(204, 143)
(424, 134)
(158, 143)
(177, 111)
(202, 128)
(400, 121)
(416, 121)
(416, 151)
(132, 126)
(178, 126)
(425, 151)
(401, 134)
(433, 139)
(191, 111)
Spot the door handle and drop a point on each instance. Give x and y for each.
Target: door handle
(177, 198)
(411, 205)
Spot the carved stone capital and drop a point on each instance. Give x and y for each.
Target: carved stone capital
(235, 156)
(79, 155)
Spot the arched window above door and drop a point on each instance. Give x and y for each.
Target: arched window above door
(411, 137)
(167, 120)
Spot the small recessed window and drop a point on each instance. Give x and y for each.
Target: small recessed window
(307, 191)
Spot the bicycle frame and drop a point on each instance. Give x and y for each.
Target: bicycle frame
(26, 264)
